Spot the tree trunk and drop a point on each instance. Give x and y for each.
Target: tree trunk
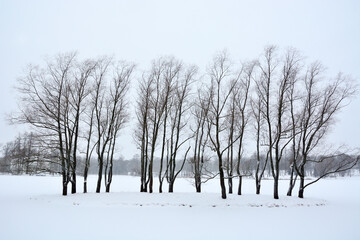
(301, 188)
(171, 186)
(64, 192)
(198, 183)
(222, 181)
(289, 192)
(98, 186)
(151, 184)
(230, 183)
(108, 184)
(73, 185)
(85, 186)
(150, 173)
(258, 186)
(198, 188)
(240, 185)
(276, 187)
(160, 186)
(292, 182)
(143, 187)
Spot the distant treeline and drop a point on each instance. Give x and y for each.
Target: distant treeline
(21, 157)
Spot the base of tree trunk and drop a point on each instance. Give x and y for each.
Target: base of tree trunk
(240, 186)
(64, 192)
(223, 188)
(276, 189)
(301, 188)
(258, 189)
(171, 187)
(73, 187)
(160, 187)
(301, 194)
(98, 185)
(151, 185)
(230, 186)
(143, 187)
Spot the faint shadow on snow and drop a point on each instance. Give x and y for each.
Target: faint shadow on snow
(181, 200)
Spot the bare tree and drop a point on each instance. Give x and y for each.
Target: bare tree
(101, 119)
(157, 110)
(320, 106)
(276, 115)
(232, 118)
(154, 95)
(261, 162)
(142, 131)
(110, 108)
(178, 123)
(90, 146)
(170, 76)
(77, 90)
(117, 107)
(289, 73)
(43, 97)
(200, 112)
(263, 88)
(293, 98)
(223, 82)
(242, 102)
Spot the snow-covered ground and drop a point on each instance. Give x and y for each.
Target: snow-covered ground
(32, 208)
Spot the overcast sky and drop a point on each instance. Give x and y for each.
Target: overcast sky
(193, 31)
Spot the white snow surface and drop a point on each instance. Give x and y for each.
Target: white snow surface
(31, 207)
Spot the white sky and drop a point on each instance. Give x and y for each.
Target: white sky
(140, 30)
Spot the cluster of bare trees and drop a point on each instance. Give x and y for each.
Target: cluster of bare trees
(291, 105)
(294, 107)
(76, 106)
(162, 113)
(23, 156)
(277, 103)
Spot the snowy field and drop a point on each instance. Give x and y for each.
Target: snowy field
(32, 208)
